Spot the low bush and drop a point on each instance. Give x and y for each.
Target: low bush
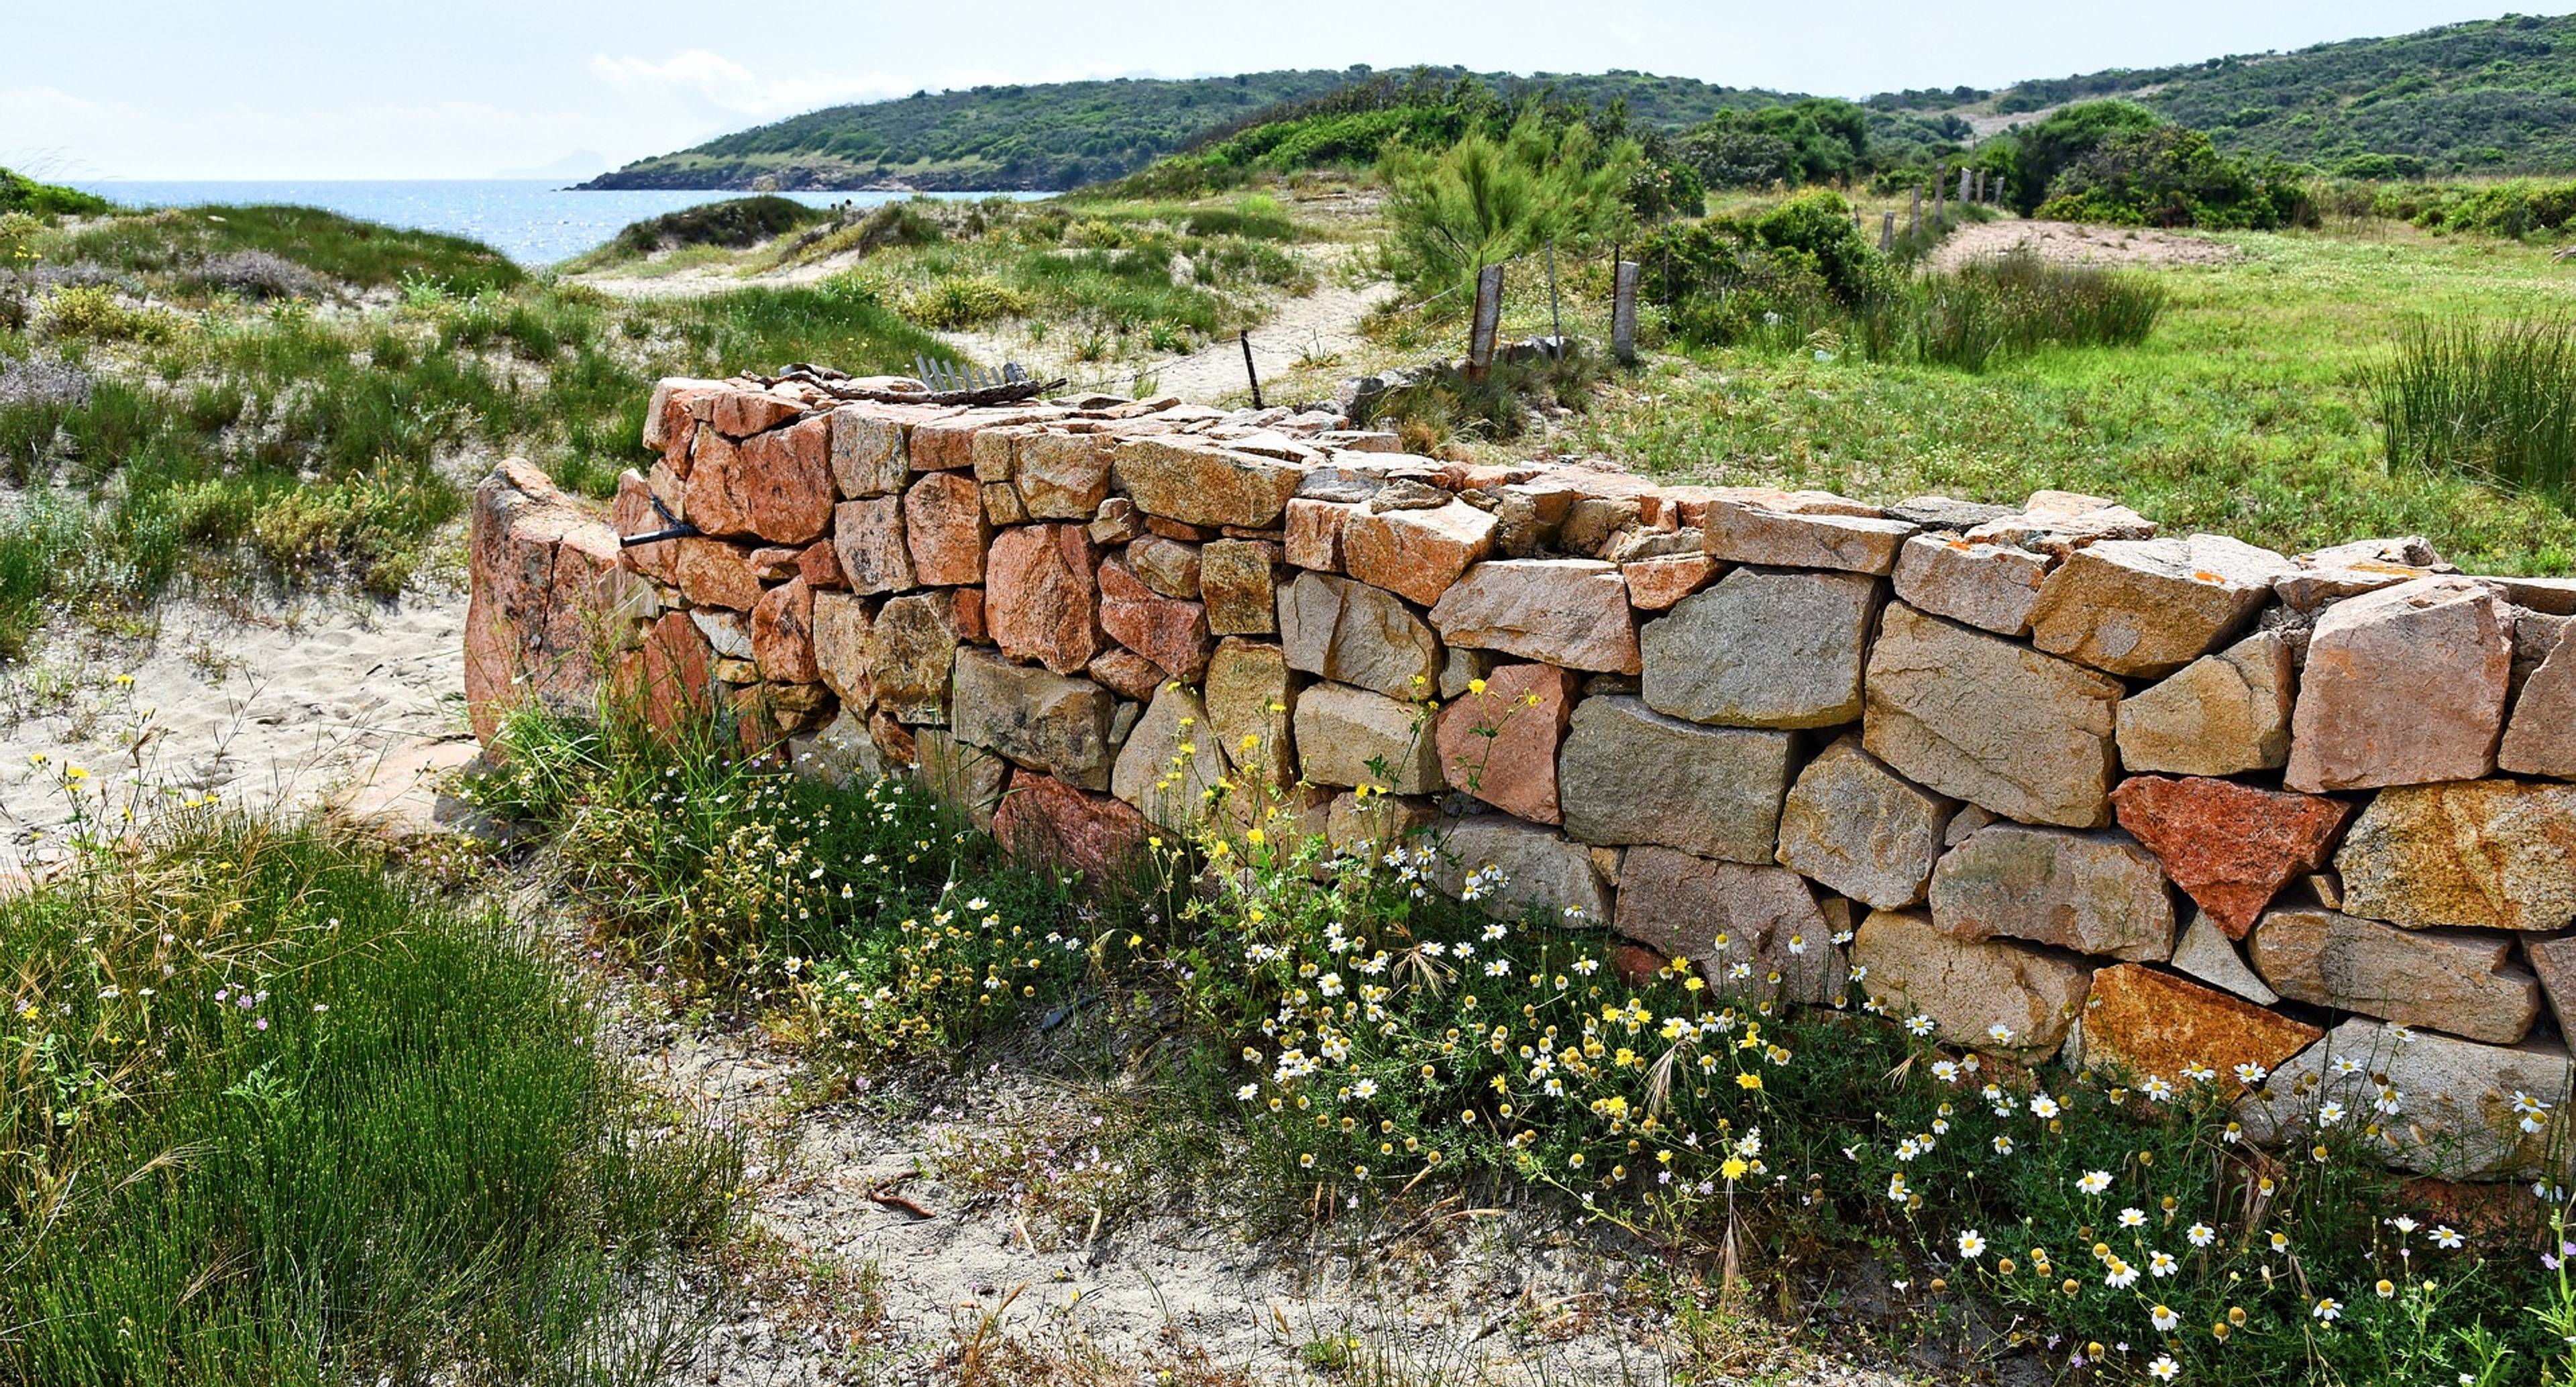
(19, 193)
(735, 222)
(2165, 175)
(2515, 207)
(1989, 311)
(275, 1115)
(2491, 400)
(253, 274)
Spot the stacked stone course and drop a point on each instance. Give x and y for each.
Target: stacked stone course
(2056, 781)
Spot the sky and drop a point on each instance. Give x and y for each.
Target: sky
(327, 89)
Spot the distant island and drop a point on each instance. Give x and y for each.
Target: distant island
(2490, 96)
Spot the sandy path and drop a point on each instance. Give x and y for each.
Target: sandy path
(281, 704)
(1162, 1291)
(2073, 243)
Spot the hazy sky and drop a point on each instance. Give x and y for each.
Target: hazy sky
(470, 88)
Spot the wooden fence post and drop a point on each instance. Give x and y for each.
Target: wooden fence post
(1623, 312)
(1887, 229)
(1248, 373)
(1555, 325)
(1488, 319)
(1940, 217)
(1914, 210)
(1963, 187)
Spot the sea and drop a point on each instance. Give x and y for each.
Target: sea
(531, 220)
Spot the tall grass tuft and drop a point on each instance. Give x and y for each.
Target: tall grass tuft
(1989, 311)
(2491, 400)
(270, 1113)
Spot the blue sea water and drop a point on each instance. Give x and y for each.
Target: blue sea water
(533, 221)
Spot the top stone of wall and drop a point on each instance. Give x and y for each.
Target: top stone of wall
(2041, 773)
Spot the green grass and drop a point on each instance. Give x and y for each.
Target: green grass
(2491, 401)
(356, 252)
(272, 1113)
(2250, 410)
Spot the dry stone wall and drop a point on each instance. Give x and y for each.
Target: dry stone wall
(2056, 781)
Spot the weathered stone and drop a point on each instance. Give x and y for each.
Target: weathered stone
(1654, 585)
(1043, 820)
(1353, 633)
(1461, 667)
(1946, 513)
(707, 494)
(2453, 980)
(2147, 607)
(995, 452)
(1314, 537)
(1764, 649)
(1002, 503)
(1117, 523)
(2541, 739)
(2095, 893)
(948, 444)
(1499, 744)
(895, 741)
(1041, 720)
(1590, 521)
(2151, 1023)
(1235, 582)
(1041, 599)
(842, 631)
(1063, 476)
(1200, 484)
(1172, 761)
(712, 573)
(1979, 718)
(965, 778)
(782, 634)
(742, 413)
(674, 673)
(2553, 961)
(2456, 1116)
(1252, 701)
(2231, 847)
(1171, 633)
(970, 616)
(727, 633)
(1989, 586)
(2348, 570)
(2222, 714)
(2008, 998)
(1542, 872)
(678, 402)
(1165, 565)
(1132, 675)
(2499, 854)
(2403, 686)
(1740, 532)
(1569, 612)
(870, 453)
(2214, 958)
(841, 754)
(1628, 774)
(632, 513)
(820, 566)
(782, 481)
(1350, 736)
(2060, 522)
(1862, 829)
(1417, 553)
(943, 523)
(910, 649)
(868, 536)
(1755, 932)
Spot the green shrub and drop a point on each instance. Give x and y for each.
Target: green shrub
(2044, 149)
(951, 303)
(94, 313)
(1989, 311)
(275, 1115)
(1483, 201)
(736, 222)
(2168, 176)
(2494, 401)
(19, 193)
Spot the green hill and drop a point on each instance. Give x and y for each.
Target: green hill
(2494, 96)
(1065, 134)
(2488, 96)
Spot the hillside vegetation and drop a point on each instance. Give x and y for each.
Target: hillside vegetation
(2494, 96)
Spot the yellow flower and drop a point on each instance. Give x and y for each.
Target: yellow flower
(1734, 1169)
(1475, 686)
(1254, 837)
(1748, 1081)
